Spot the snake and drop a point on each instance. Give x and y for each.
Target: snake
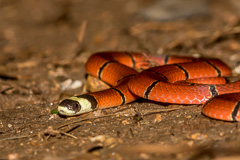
(160, 78)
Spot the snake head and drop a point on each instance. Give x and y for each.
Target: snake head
(68, 106)
(77, 105)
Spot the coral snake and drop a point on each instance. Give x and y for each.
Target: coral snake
(178, 80)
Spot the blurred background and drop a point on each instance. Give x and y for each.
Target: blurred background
(50, 29)
(45, 44)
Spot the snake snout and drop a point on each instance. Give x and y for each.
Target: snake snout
(61, 112)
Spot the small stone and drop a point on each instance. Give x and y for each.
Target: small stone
(165, 10)
(1, 124)
(144, 156)
(188, 116)
(53, 116)
(198, 136)
(158, 118)
(125, 122)
(99, 138)
(13, 156)
(70, 84)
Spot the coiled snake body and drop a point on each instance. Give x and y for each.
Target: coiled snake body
(179, 80)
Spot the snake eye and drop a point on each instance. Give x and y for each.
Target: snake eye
(77, 107)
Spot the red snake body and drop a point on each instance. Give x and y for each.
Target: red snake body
(179, 80)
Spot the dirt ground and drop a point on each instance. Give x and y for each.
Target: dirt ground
(44, 46)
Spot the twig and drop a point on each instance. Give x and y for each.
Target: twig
(159, 111)
(69, 135)
(85, 119)
(50, 131)
(12, 138)
(78, 47)
(82, 32)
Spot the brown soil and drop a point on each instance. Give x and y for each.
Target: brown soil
(44, 43)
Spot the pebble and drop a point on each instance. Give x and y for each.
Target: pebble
(158, 118)
(163, 10)
(198, 136)
(70, 84)
(13, 156)
(125, 122)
